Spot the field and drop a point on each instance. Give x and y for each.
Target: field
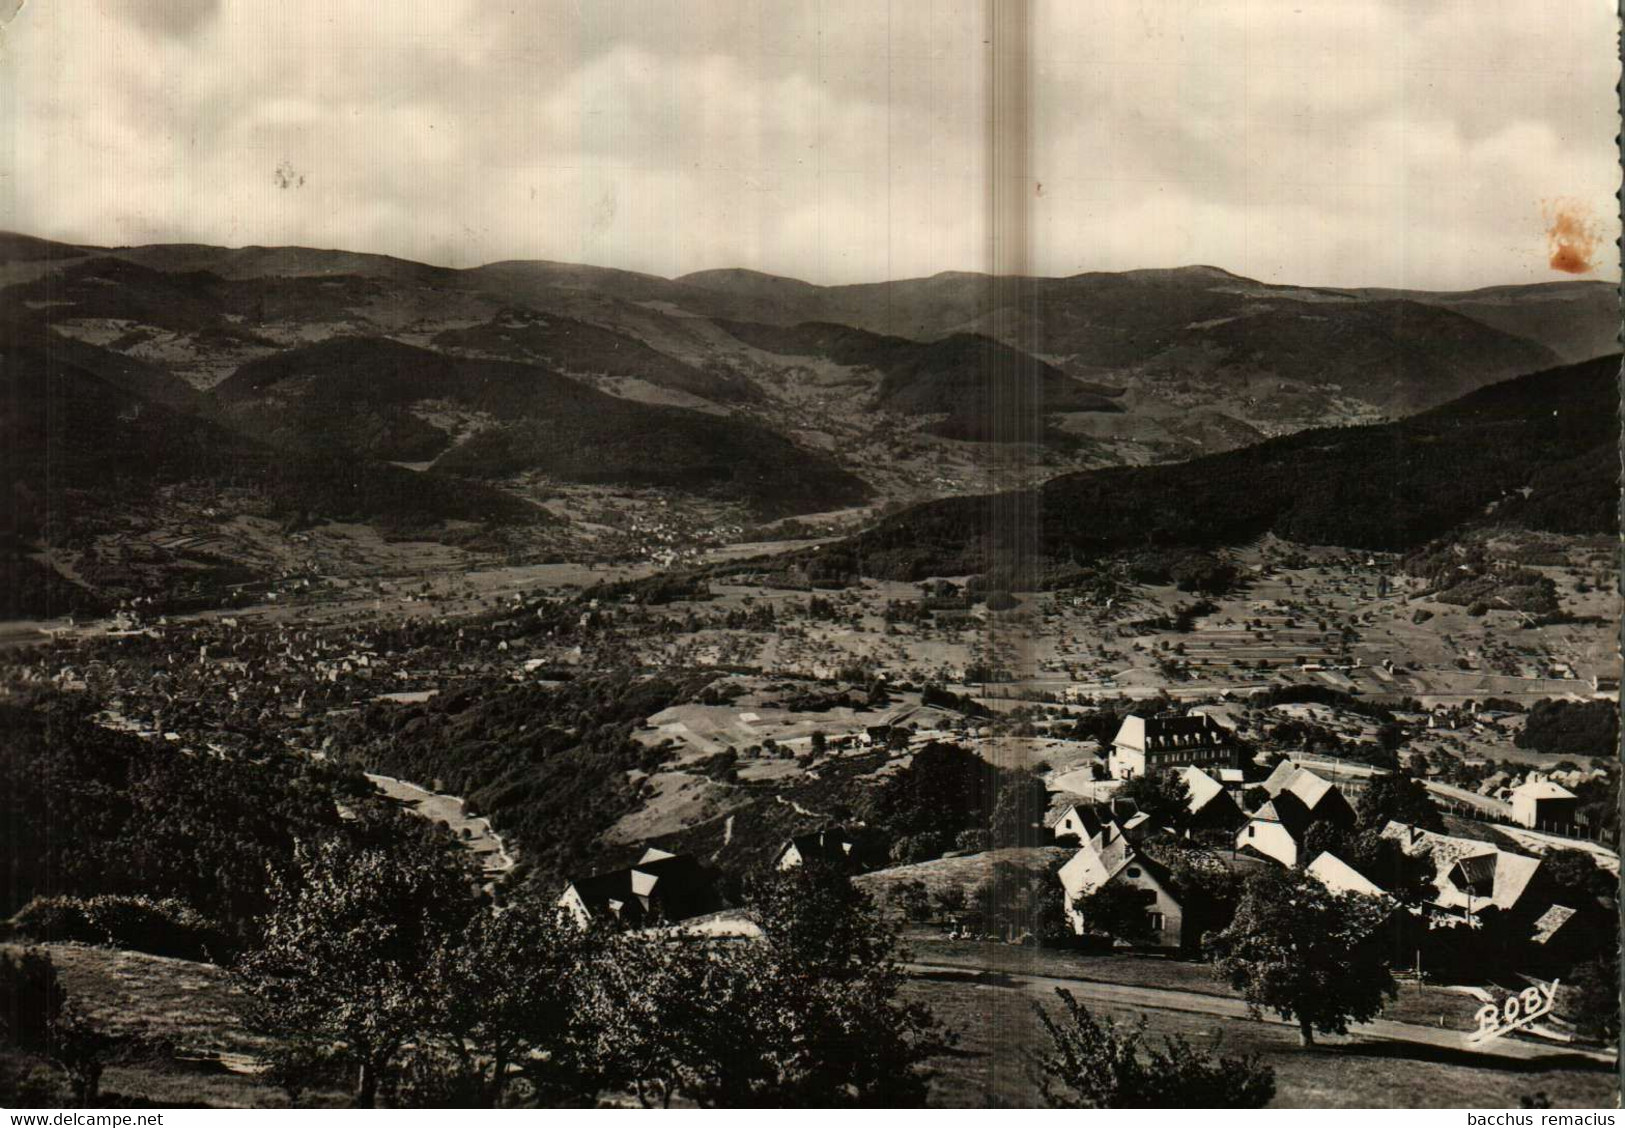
(174, 1003)
(994, 1013)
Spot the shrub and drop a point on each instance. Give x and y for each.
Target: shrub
(1095, 1063)
(166, 927)
(974, 840)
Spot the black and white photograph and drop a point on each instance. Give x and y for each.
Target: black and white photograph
(809, 554)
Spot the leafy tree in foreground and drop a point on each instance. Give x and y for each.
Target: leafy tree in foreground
(350, 949)
(806, 1016)
(504, 1000)
(1094, 1063)
(1305, 953)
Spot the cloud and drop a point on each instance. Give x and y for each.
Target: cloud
(1366, 142)
(176, 18)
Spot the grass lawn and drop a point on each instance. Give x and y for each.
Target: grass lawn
(961, 873)
(205, 1056)
(998, 1029)
(1428, 1006)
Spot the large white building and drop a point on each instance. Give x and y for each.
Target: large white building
(1150, 744)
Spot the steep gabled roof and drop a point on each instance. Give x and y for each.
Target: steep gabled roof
(1309, 788)
(1340, 877)
(1468, 874)
(1203, 788)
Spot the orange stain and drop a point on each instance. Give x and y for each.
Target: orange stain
(1572, 236)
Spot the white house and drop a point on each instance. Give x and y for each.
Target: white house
(1116, 861)
(830, 845)
(1298, 799)
(1542, 802)
(1469, 876)
(1149, 744)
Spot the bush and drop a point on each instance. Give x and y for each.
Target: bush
(1095, 1063)
(166, 927)
(918, 848)
(974, 841)
(911, 899)
(30, 997)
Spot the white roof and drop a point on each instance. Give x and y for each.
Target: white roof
(1301, 782)
(1340, 877)
(1542, 789)
(1202, 787)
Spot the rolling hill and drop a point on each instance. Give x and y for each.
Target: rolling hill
(493, 419)
(1539, 451)
(565, 344)
(900, 382)
(962, 374)
(101, 475)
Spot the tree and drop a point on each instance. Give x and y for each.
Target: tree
(504, 998)
(1094, 1063)
(1117, 910)
(350, 949)
(1018, 811)
(1398, 797)
(1576, 877)
(943, 790)
(808, 1016)
(38, 1017)
(80, 1048)
(1306, 953)
(1162, 795)
(1407, 878)
(1596, 995)
(1571, 728)
(30, 998)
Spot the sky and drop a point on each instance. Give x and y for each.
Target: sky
(1420, 143)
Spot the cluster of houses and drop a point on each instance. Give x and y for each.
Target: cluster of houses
(1489, 892)
(1474, 889)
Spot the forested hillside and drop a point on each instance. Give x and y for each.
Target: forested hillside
(1539, 450)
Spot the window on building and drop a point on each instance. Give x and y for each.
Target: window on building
(1154, 919)
(1134, 871)
(1252, 832)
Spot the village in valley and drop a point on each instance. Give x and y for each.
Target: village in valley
(1065, 786)
(709, 554)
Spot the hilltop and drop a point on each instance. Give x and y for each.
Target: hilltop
(1118, 362)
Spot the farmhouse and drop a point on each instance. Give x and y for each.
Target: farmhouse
(1469, 876)
(1542, 802)
(660, 887)
(1086, 823)
(1298, 799)
(1114, 860)
(1211, 806)
(1149, 744)
(830, 845)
